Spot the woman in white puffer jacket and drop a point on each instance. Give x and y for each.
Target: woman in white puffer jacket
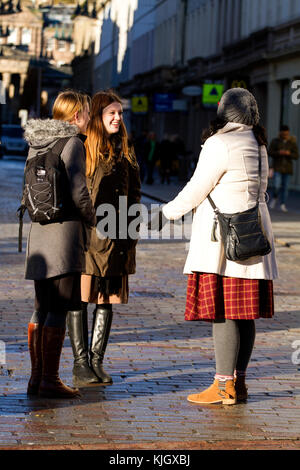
(230, 294)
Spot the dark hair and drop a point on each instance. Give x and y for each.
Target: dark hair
(284, 128)
(259, 131)
(260, 134)
(213, 128)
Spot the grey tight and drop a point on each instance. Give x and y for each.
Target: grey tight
(234, 341)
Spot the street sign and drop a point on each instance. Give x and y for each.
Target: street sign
(239, 84)
(163, 102)
(139, 104)
(212, 93)
(126, 104)
(192, 90)
(180, 105)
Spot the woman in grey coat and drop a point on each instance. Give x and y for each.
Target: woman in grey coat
(55, 251)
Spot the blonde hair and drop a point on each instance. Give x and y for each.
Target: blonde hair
(99, 145)
(68, 103)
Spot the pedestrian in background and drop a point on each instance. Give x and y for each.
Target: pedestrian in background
(112, 172)
(140, 145)
(283, 151)
(152, 156)
(166, 155)
(229, 294)
(55, 252)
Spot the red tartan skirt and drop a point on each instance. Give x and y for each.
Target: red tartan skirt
(213, 297)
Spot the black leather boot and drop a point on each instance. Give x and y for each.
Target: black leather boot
(101, 328)
(78, 332)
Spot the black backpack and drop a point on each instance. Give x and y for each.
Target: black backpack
(45, 192)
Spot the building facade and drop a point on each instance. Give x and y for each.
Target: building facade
(38, 43)
(157, 48)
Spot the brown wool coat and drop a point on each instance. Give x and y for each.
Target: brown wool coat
(113, 256)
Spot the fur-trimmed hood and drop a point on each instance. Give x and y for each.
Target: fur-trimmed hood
(42, 132)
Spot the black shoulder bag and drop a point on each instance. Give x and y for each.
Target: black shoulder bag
(242, 233)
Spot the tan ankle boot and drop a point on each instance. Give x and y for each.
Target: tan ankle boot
(216, 393)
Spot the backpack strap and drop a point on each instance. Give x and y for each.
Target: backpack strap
(60, 145)
(20, 214)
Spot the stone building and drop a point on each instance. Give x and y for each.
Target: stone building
(87, 29)
(36, 51)
(20, 39)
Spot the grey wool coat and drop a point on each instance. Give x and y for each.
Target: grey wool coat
(59, 248)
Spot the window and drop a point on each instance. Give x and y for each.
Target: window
(61, 46)
(50, 44)
(26, 36)
(12, 36)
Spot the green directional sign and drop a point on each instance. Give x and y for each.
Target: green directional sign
(212, 93)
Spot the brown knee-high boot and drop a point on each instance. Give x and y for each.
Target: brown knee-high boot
(34, 346)
(51, 386)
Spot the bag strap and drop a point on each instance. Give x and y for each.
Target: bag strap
(259, 173)
(216, 210)
(59, 146)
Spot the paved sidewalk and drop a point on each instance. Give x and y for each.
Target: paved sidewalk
(155, 357)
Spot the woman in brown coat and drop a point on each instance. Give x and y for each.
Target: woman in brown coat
(114, 184)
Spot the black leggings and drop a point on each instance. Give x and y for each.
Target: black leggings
(54, 297)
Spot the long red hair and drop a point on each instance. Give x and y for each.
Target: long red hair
(99, 144)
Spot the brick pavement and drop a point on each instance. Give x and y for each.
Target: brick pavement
(155, 357)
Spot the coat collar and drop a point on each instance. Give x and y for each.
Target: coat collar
(234, 127)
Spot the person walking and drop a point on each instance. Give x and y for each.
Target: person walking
(140, 145)
(113, 181)
(283, 151)
(166, 156)
(230, 294)
(55, 251)
(152, 156)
